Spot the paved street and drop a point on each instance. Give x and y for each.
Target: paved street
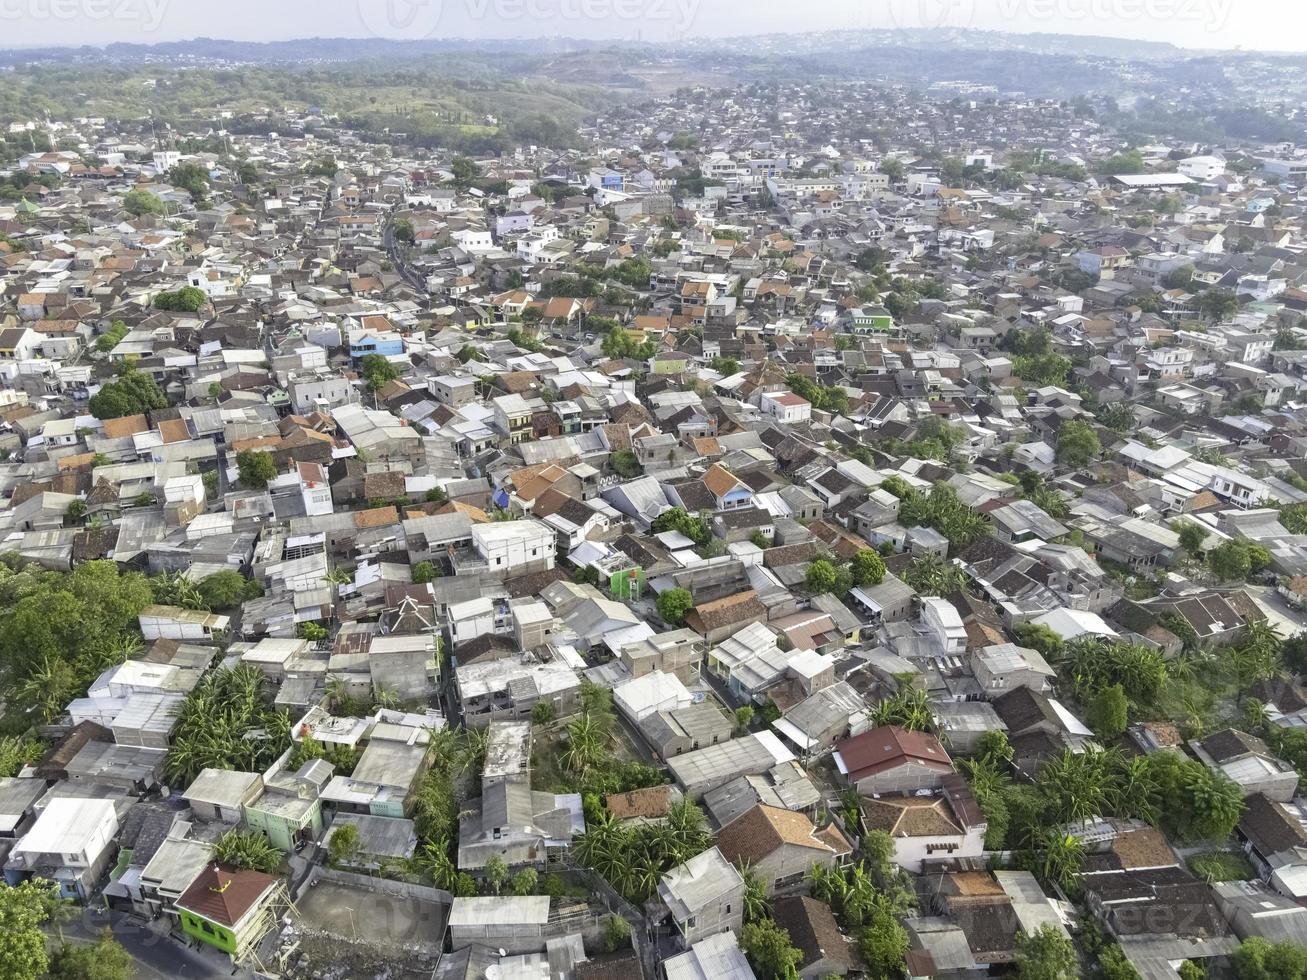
(157, 957)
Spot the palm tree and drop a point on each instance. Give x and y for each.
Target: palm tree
(587, 744)
(1060, 856)
(756, 904)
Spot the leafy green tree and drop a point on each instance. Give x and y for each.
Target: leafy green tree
(1046, 954)
(769, 949)
(105, 959)
(743, 717)
(377, 370)
(1114, 965)
(345, 845)
(884, 943)
(1190, 970)
(674, 604)
(868, 568)
(496, 873)
(404, 232)
(525, 882)
(1218, 304)
(423, 572)
(227, 590)
(1039, 637)
(1077, 444)
(617, 934)
(1108, 713)
(1233, 560)
(1260, 959)
(139, 201)
(625, 463)
(247, 849)
(188, 299)
(465, 171)
(931, 575)
(190, 177)
(133, 393)
(313, 632)
(822, 576)
(256, 468)
(1192, 535)
(24, 909)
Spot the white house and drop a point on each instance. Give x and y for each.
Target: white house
(945, 625)
(785, 406)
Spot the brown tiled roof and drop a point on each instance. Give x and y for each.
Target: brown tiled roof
(910, 816)
(225, 895)
(1143, 848)
(814, 932)
(384, 486)
(174, 430)
(376, 517)
(889, 746)
(650, 802)
(724, 612)
(760, 831)
(128, 425)
(719, 480)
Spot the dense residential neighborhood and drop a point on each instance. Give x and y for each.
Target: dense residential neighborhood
(744, 540)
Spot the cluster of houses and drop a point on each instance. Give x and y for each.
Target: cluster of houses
(506, 415)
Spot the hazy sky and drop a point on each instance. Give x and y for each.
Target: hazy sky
(1261, 24)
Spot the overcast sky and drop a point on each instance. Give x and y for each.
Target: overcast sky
(1259, 24)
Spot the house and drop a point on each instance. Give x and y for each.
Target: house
(926, 828)
(231, 909)
(813, 931)
(516, 825)
(716, 957)
(892, 760)
(785, 406)
(703, 897)
(1004, 666)
(715, 765)
(781, 846)
(220, 795)
(71, 843)
(175, 623)
(1247, 761)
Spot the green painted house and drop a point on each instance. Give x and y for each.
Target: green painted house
(285, 819)
(231, 909)
(872, 319)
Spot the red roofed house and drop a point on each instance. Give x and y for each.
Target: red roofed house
(231, 908)
(893, 760)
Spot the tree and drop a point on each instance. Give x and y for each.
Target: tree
(423, 572)
(525, 882)
(1114, 965)
(76, 511)
(496, 872)
(770, 952)
(743, 717)
(377, 370)
(227, 590)
(465, 171)
(345, 845)
(105, 959)
(674, 604)
(1077, 444)
(884, 943)
(133, 393)
(1260, 959)
(313, 632)
(617, 934)
(1046, 954)
(542, 713)
(191, 177)
(188, 299)
(1192, 535)
(404, 232)
(256, 468)
(1218, 304)
(1234, 560)
(624, 463)
(1108, 713)
(868, 568)
(247, 849)
(139, 201)
(822, 576)
(23, 910)
(1039, 637)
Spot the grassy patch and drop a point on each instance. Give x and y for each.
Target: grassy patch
(1214, 866)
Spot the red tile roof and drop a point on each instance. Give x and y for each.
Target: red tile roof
(884, 748)
(225, 895)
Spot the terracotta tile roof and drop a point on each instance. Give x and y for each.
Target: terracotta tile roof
(174, 430)
(225, 895)
(650, 802)
(128, 425)
(73, 462)
(258, 442)
(762, 830)
(889, 746)
(706, 446)
(1143, 848)
(725, 612)
(384, 486)
(909, 816)
(719, 480)
(376, 517)
(814, 932)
